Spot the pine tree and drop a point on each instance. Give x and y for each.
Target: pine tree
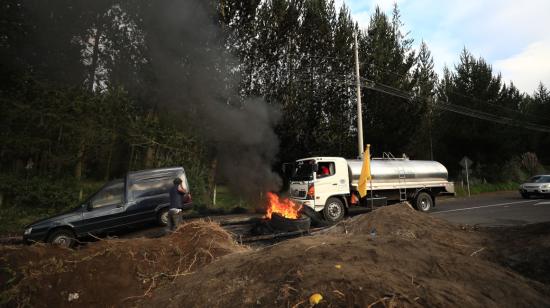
(388, 59)
(425, 83)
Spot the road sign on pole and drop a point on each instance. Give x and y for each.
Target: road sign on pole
(466, 163)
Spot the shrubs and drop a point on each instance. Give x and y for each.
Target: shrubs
(25, 199)
(43, 192)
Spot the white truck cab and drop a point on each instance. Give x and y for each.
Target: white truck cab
(316, 179)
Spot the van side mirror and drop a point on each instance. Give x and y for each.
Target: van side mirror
(315, 168)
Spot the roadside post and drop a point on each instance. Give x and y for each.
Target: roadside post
(465, 162)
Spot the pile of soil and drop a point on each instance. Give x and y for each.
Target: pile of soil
(109, 272)
(393, 256)
(525, 249)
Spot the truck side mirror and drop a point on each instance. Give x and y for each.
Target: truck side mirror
(315, 168)
(89, 206)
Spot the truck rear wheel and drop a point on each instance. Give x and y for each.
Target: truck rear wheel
(423, 202)
(334, 210)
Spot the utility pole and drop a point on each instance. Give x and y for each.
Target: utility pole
(359, 112)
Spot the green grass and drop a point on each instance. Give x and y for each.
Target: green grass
(485, 187)
(226, 203)
(225, 199)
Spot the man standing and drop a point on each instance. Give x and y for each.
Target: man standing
(177, 193)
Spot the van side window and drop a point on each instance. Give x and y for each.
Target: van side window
(325, 169)
(151, 187)
(112, 193)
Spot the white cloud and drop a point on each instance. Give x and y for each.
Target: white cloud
(527, 68)
(503, 32)
(362, 18)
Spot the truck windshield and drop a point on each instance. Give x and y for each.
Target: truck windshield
(303, 171)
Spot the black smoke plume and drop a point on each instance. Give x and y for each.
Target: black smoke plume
(197, 78)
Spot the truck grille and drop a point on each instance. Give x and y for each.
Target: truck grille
(298, 193)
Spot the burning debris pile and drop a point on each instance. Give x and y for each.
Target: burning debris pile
(282, 206)
(282, 215)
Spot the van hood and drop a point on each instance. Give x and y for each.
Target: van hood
(65, 216)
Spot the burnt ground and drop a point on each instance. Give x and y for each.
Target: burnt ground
(393, 256)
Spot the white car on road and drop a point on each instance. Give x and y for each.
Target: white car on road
(537, 185)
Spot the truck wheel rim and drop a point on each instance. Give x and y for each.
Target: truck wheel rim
(424, 204)
(334, 210)
(62, 240)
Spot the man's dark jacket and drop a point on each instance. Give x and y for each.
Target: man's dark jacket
(176, 201)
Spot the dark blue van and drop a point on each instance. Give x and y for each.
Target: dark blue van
(141, 197)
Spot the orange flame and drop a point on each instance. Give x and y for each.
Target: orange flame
(284, 207)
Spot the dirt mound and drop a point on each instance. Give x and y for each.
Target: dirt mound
(393, 257)
(401, 220)
(525, 249)
(412, 260)
(110, 272)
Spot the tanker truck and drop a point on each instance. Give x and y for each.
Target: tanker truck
(330, 184)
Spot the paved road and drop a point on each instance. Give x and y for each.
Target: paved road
(493, 209)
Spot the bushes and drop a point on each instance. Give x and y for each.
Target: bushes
(25, 199)
(477, 188)
(43, 192)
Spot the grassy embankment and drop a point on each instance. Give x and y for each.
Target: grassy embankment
(475, 189)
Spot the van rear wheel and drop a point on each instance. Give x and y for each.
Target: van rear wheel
(162, 217)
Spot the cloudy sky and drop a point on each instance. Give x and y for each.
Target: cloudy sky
(513, 36)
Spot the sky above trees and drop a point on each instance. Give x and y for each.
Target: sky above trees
(512, 36)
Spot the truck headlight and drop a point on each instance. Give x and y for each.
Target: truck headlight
(28, 231)
(545, 186)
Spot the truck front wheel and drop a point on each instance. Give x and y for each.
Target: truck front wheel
(423, 202)
(334, 210)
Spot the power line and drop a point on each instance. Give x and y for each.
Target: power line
(456, 108)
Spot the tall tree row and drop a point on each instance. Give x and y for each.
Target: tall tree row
(90, 89)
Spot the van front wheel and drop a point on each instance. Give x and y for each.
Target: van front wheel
(62, 237)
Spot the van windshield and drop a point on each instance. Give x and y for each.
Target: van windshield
(303, 170)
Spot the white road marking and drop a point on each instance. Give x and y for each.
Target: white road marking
(542, 203)
(484, 206)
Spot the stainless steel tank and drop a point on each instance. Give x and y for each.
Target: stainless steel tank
(399, 170)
